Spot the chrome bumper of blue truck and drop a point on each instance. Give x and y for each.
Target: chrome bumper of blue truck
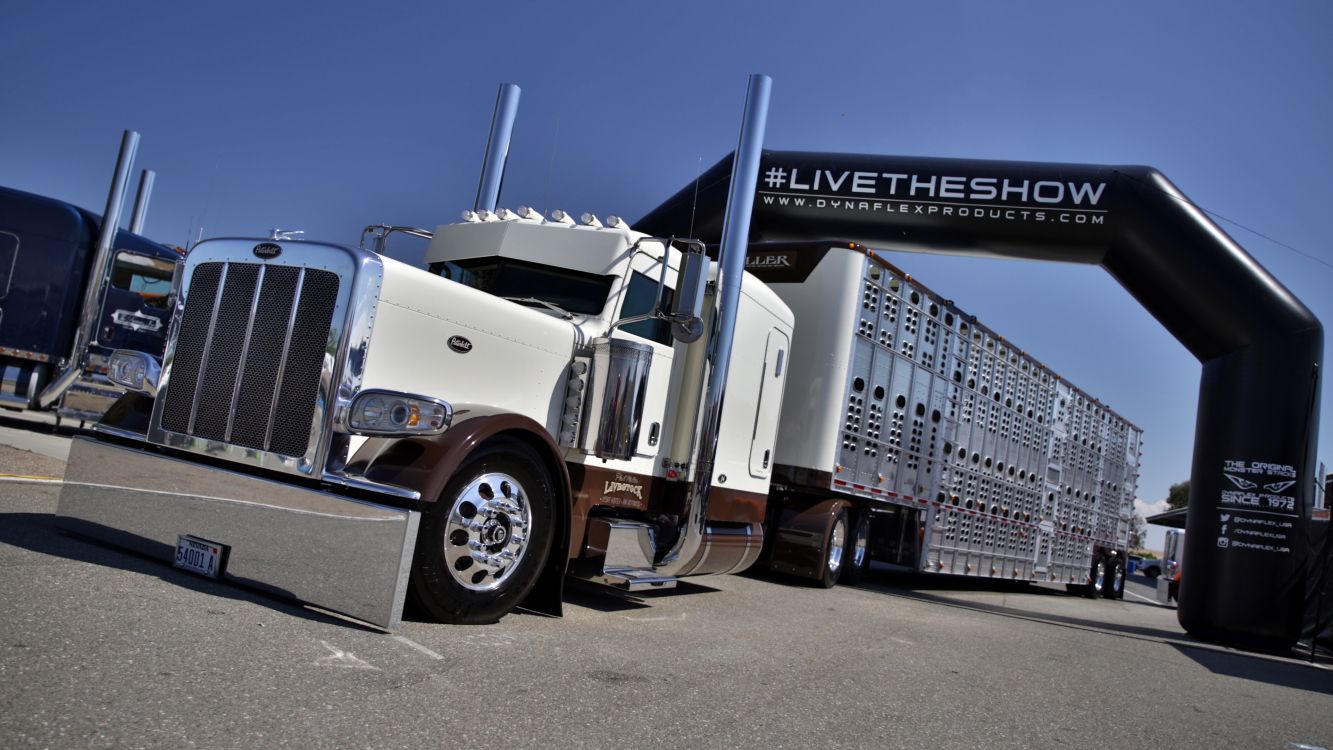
(340, 554)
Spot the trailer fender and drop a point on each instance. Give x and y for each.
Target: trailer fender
(801, 534)
(425, 464)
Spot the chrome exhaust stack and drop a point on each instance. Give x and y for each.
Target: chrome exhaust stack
(497, 147)
(141, 201)
(86, 334)
(680, 560)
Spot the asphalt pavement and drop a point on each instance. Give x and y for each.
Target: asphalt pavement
(101, 648)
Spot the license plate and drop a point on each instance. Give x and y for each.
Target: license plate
(200, 555)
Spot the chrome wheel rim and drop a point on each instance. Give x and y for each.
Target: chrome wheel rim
(1099, 576)
(859, 546)
(836, 541)
(487, 532)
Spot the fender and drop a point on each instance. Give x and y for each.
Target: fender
(801, 536)
(425, 464)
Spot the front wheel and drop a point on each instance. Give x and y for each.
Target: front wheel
(482, 546)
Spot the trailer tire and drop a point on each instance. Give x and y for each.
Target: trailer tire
(1096, 580)
(1115, 582)
(482, 546)
(835, 550)
(856, 559)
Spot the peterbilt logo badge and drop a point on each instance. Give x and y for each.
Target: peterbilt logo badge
(267, 251)
(460, 344)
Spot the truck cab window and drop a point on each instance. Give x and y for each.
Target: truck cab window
(639, 298)
(573, 291)
(147, 277)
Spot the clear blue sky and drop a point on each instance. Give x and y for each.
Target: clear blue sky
(329, 116)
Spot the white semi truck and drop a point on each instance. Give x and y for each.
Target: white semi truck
(547, 399)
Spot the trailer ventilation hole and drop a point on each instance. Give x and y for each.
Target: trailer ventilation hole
(879, 393)
(935, 415)
(916, 298)
(921, 410)
(934, 309)
(900, 402)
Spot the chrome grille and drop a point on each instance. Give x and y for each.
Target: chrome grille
(249, 355)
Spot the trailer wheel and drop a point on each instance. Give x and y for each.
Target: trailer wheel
(835, 550)
(1097, 584)
(1097, 580)
(857, 560)
(481, 547)
(1115, 583)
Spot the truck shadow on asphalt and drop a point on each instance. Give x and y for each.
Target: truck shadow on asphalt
(606, 599)
(37, 532)
(1259, 669)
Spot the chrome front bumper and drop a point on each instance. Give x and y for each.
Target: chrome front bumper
(340, 554)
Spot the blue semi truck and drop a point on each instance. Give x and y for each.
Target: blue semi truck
(73, 288)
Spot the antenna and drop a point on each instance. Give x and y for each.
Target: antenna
(698, 168)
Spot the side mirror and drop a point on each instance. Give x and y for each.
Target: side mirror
(688, 302)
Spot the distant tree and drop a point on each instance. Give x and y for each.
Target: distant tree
(1137, 528)
(1178, 496)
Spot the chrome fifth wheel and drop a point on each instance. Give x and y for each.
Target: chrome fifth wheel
(482, 547)
(835, 550)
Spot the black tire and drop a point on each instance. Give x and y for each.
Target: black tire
(1152, 571)
(835, 550)
(1097, 580)
(499, 505)
(1115, 581)
(856, 558)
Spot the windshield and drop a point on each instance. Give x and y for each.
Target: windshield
(581, 293)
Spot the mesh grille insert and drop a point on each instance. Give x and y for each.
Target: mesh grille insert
(272, 408)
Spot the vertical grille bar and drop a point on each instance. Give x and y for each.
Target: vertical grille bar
(231, 326)
(286, 347)
(189, 350)
(208, 343)
(245, 353)
(264, 362)
(305, 362)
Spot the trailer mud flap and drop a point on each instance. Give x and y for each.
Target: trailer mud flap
(340, 554)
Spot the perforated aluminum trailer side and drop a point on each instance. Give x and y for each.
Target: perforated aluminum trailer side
(913, 435)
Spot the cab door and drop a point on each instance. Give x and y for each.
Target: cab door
(771, 381)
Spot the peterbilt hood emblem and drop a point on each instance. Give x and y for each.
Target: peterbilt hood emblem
(460, 344)
(267, 250)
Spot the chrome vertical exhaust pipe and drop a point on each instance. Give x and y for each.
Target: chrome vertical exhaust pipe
(98, 275)
(730, 269)
(497, 147)
(141, 201)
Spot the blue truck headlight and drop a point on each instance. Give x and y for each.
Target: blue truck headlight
(133, 370)
(390, 413)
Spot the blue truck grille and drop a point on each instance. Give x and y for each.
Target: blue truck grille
(249, 355)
